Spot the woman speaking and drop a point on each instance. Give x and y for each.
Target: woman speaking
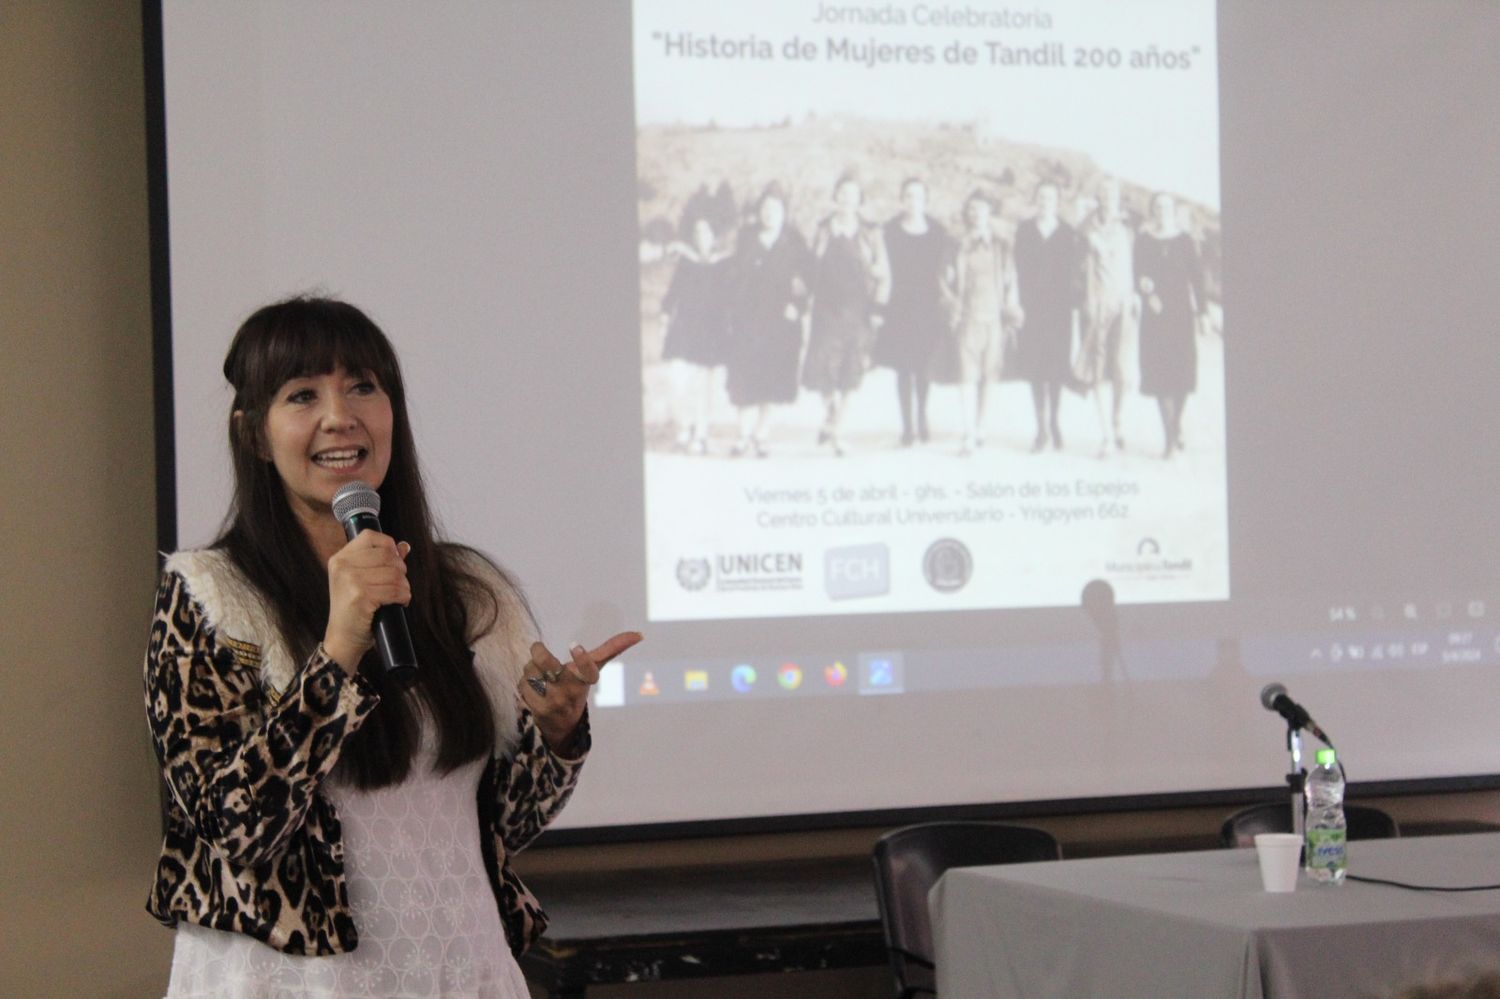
(330, 831)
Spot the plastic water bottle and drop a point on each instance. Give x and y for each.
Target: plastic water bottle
(1327, 830)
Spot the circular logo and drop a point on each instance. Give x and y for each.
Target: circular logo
(947, 565)
(692, 573)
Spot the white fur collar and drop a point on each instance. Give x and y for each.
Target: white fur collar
(234, 609)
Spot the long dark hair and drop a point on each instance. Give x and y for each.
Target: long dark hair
(307, 336)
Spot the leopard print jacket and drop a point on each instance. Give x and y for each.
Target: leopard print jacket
(245, 735)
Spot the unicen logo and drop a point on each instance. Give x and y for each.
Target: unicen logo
(759, 571)
(693, 573)
(1148, 546)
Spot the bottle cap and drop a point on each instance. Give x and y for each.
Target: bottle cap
(1325, 758)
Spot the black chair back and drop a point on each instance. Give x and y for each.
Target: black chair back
(1240, 828)
(909, 861)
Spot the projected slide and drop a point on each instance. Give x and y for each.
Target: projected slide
(930, 305)
(779, 468)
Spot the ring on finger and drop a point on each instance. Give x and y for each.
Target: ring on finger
(552, 676)
(537, 684)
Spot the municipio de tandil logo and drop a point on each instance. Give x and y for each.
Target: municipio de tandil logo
(1149, 562)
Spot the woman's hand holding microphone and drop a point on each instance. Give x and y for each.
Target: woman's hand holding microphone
(363, 576)
(370, 572)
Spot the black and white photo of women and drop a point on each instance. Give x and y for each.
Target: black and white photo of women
(1170, 282)
(769, 271)
(850, 282)
(695, 315)
(1047, 287)
(984, 276)
(811, 346)
(921, 253)
(1110, 311)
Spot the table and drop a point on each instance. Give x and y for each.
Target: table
(1199, 925)
(692, 922)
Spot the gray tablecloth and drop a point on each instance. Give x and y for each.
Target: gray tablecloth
(1199, 925)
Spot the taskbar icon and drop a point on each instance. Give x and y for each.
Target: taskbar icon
(882, 673)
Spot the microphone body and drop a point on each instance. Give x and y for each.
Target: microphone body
(1098, 601)
(1273, 697)
(357, 507)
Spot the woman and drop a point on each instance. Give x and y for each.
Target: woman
(985, 290)
(1111, 310)
(921, 255)
(770, 281)
(1047, 286)
(1170, 283)
(695, 313)
(330, 833)
(851, 281)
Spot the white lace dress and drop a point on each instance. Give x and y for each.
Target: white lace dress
(427, 921)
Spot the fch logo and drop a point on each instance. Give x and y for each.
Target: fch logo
(857, 571)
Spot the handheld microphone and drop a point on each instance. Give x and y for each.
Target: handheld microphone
(357, 507)
(1273, 697)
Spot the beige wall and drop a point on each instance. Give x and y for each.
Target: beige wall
(78, 783)
(77, 522)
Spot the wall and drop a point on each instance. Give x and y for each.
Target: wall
(79, 831)
(78, 509)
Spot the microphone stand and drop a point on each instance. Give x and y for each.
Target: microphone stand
(1297, 778)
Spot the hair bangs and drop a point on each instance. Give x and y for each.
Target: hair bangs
(303, 337)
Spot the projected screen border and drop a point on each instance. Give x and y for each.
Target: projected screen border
(167, 538)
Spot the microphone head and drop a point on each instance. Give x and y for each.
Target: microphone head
(1098, 595)
(1269, 693)
(355, 497)
(1098, 599)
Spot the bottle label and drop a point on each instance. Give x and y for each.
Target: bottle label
(1327, 848)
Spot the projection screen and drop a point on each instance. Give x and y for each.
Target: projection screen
(973, 404)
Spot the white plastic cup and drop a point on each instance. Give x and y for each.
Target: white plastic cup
(1280, 857)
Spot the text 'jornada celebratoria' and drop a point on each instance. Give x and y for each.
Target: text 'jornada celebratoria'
(931, 16)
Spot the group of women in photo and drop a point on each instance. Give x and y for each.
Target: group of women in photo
(1057, 305)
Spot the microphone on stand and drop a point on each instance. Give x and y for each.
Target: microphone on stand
(357, 507)
(1273, 697)
(1098, 601)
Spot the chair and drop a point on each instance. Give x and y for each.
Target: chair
(909, 861)
(1276, 816)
